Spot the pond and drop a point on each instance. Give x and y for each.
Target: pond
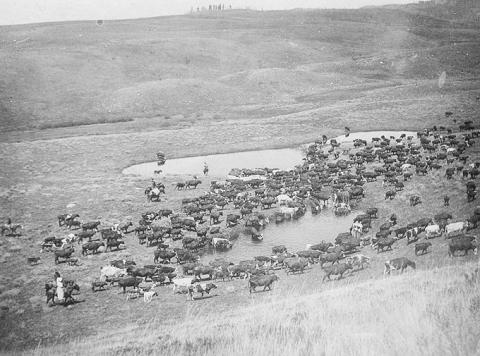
(220, 164)
(295, 235)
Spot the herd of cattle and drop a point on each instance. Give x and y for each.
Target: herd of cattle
(248, 202)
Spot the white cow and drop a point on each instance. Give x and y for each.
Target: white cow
(182, 282)
(455, 228)
(432, 231)
(288, 212)
(358, 260)
(111, 272)
(283, 199)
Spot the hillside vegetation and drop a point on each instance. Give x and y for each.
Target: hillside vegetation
(228, 65)
(432, 312)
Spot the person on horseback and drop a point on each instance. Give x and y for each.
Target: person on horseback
(205, 168)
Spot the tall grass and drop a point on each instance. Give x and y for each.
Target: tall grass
(432, 312)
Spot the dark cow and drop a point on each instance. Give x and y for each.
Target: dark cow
(422, 247)
(339, 270)
(262, 281)
(385, 243)
(92, 225)
(114, 244)
(296, 265)
(64, 253)
(163, 256)
(140, 272)
(462, 244)
(129, 282)
(203, 270)
(98, 286)
(279, 249)
(91, 246)
(331, 257)
(390, 194)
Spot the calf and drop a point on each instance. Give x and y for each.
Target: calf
(400, 264)
(98, 286)
(422, 247)
(201, 288)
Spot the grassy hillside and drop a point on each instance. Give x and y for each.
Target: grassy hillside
(69, 74)
(430, 312)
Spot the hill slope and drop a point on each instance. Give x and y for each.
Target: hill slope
(68, 74)
(429, 312)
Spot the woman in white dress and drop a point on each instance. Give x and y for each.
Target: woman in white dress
(59, 283)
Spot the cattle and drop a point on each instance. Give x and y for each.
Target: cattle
(412, 235)
(339, 270)
(201, 288)
(129, 282)
(311, 255)
(114, 244)
(140, 272)
(91, 246)
(372, 212)
(400, 232)
(358, 261)
(238, 271)
(98, 286)
(279, 249)
(432, 231)
(295, 265)
(33, 260)
(163, 256)
(390, 194)
(148, 295)
(456, 228)
(462, 244)
(92, 225)
(331, 257)
(385, 243)
(422, 247)
(221, 243)
(64, 253)
(400, 263)
(262, 281)
(322, 246)
(180, 283)
(111, 272)
(198, 271)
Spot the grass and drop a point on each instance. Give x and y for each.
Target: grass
(426, 312)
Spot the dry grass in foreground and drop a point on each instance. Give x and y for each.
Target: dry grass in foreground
(431, 312)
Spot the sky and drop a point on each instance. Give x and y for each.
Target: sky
(31, 11)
